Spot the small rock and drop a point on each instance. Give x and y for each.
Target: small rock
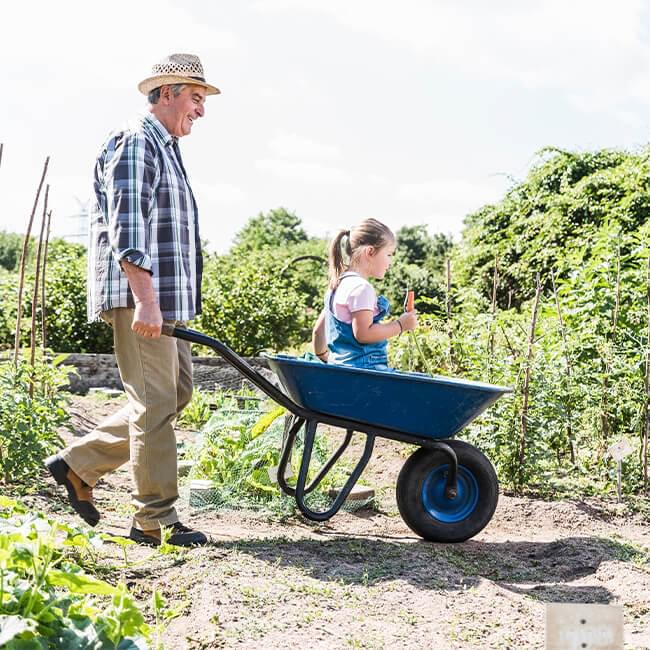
(109, 392)
(358, 493)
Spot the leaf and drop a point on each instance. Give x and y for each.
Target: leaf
(266, 420)
(6, 502)
(115, 539)
(79, 583)
(59, 359)
(157, 601)
(23, 644)
(13, 626)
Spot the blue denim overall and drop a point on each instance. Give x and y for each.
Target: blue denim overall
(346, 350)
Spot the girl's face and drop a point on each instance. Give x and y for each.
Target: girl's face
(379, 259)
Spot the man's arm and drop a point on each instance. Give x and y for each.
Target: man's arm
(129, 197)
(147, 319)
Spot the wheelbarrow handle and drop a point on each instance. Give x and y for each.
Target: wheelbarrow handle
(237, 362)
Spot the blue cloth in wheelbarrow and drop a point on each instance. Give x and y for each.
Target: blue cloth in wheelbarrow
(414, 403)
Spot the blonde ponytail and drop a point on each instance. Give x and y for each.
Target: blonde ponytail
(337, 262)
(347, 243)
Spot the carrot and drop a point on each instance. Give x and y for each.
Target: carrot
(410, 301)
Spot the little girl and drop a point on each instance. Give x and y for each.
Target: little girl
(349, 329)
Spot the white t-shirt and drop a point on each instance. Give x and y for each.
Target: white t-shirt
(354, 293)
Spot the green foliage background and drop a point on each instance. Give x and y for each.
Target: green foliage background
(579, 221)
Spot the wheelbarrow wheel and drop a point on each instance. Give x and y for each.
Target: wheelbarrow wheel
(429, 512)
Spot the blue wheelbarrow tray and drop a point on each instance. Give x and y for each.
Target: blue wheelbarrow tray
(409, 402)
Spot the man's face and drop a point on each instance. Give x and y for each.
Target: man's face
(180, 111)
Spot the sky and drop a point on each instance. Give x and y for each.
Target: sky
(412, 112)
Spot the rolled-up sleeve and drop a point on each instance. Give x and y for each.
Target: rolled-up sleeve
(129, 193)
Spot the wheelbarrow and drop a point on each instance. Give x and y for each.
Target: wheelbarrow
(447, 490)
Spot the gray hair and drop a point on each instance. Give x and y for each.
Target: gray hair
(154, 96)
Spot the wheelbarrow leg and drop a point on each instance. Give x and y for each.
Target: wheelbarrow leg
(330, 462)
(292, 427)
(301, 491)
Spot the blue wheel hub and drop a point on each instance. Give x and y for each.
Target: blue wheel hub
(439, 506)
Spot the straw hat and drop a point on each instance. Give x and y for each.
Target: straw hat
(177, 69)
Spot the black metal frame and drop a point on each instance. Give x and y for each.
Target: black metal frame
(302, 417)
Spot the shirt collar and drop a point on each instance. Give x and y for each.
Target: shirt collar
(159, 131)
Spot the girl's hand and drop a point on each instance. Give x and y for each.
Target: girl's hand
(409, 320)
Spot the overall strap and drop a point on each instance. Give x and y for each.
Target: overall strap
(347, 274)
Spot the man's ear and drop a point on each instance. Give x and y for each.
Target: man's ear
(166, 93)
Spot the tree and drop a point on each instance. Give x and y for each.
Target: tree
(68, 329)
(562, 203)
(250, 305)
(10, 246)
(275, 229)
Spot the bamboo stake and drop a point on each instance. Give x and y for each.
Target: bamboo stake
(495, 283)
(604, 415)
(37, 283)
(23, 262)
(527, 376)
(493, 313)
(43, 302)
(513, 352)
(617, 303)
(450, 331)
(448, 295)
(569, 371)
(646, 410)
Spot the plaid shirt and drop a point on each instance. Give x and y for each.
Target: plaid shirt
(146, 214)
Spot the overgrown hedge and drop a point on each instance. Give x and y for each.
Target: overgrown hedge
(580, 221)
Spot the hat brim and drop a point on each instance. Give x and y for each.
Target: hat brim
(150, 83)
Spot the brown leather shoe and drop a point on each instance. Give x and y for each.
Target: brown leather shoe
(181, 536)
(80, 494)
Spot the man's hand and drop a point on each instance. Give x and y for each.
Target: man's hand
(147, 319)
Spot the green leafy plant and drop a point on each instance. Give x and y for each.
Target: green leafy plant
(239, 449)
(66, 311)
(204, 403)
(198, 411)
(163, 615)
(32, 408)
(48, 601)
(10, 247)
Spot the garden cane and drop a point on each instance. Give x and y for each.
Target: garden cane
(409, 305)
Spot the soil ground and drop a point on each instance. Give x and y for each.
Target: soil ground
(364, 580)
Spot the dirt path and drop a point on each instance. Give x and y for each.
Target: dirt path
(365, 581)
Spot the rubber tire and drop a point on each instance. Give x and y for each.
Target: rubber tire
(409, 493)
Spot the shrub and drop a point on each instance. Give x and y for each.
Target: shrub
(32, 408)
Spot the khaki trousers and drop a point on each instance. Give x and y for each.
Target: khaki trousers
(157, 378)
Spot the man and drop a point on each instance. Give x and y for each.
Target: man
(145, 267)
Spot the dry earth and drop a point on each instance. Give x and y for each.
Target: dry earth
(365, 581)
